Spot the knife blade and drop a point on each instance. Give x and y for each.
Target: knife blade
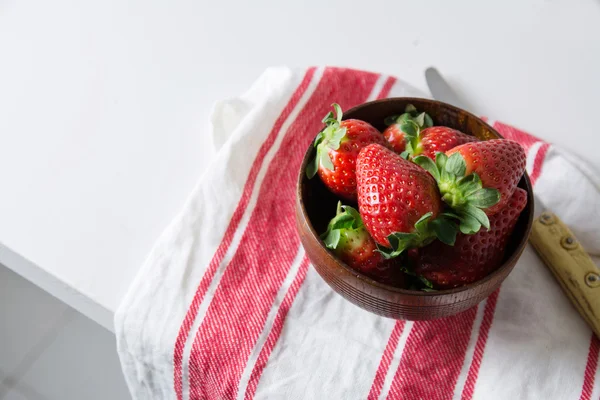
(441, 90)
(555, 243)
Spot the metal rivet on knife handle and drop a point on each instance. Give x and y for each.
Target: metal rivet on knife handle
(592, 279)
(568, 242)
(547, 218)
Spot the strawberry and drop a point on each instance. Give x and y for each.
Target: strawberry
(394, 135)
(499, 163)
(398, 201)
(439, 139)
(473, 256)
(347, 237)
(397, 124)
(477, 179)
(390, 274)
(414, 133)
(337, 145)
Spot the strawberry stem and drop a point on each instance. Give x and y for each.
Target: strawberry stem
(329, 138)
(464, 194)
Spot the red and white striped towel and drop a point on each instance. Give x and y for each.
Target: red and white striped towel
(227, 305)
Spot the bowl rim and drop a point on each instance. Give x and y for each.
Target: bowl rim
(509, 263)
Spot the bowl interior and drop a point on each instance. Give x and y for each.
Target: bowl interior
(319, 203)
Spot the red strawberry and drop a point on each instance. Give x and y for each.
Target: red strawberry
(389, 273)
(499, 163)
(401, 127)
(337, 147)
(398, 201)
(440, 139)
(394, 135)
(477, 179)
(347, 237)
(473, 256)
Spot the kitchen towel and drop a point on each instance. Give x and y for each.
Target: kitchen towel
(227, 305)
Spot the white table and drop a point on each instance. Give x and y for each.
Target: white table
(103, 105)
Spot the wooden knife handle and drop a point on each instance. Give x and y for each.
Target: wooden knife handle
(570, 264)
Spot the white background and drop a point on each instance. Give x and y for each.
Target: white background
(104, 105)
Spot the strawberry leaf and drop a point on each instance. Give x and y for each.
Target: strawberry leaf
(469, 184)
(355, 215)
(404, 117)
(478, 214)
(324, 159)
(409, 150)
(335, 139)
(410, 109)
(346, 219)
(469, 225)
(318, 139)
(399, 241)
(342, 221)
(440, 160)
(409, 127)
(427, 164)
(421, 225)
(329, 118)
(329, 138)
(425, 231)
(397, 119)
(450, 215)
(456, 165)
(428, 121)
(338, 112)
(426, 282)
(445, 230)
(483, 198)
(420, 119)
(313, 166)
(428, 285)
(332, 239)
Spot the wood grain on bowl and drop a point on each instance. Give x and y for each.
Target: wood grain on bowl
(315, 206)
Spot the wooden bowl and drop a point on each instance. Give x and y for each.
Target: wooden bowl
(315, 206)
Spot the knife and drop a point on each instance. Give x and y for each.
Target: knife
(554, 242)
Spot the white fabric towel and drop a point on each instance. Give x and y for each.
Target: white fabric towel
(227, 305)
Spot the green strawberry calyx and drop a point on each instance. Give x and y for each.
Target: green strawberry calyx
(347, 224)
(426, 230)
(427, 284)
(411, 123)
(464, 194)
(329, 138)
